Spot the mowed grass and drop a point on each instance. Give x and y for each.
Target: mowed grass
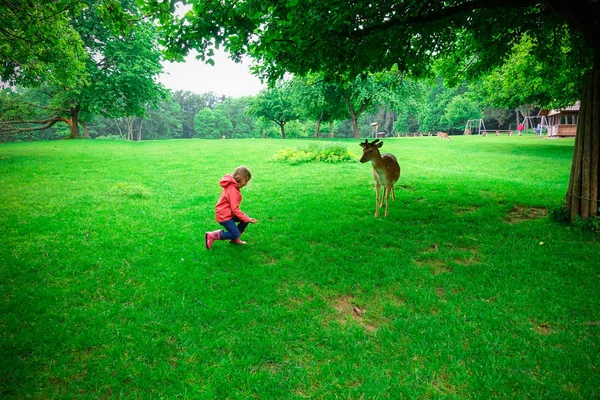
(466, 290)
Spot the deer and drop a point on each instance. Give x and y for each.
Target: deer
(443, 135)
(386, 171)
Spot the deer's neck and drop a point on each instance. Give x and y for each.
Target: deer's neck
(377, 162)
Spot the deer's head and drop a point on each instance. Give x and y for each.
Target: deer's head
(370, 150)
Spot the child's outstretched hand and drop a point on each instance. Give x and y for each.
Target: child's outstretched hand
(253, 220)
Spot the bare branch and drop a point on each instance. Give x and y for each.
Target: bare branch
(6, 127)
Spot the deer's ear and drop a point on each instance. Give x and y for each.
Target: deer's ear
(363, 145)
(379, 144)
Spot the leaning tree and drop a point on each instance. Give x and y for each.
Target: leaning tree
(97, 57)
(344, 39)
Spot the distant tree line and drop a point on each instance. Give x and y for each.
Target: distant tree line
(297, 108)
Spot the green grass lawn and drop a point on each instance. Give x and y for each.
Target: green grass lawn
(466, 290)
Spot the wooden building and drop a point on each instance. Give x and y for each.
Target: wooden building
(562, 123)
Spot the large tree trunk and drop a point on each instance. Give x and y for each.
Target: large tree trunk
(330, 129)
(74, 124)
(582, 194)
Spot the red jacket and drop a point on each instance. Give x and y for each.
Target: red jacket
(228, 205)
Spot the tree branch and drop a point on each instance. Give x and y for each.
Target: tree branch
(443, 14)
(6, 127)
(45, 107)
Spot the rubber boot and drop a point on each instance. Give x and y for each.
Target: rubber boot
(210, 237)
(237, 241)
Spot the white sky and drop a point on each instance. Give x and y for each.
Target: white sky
(224, 78)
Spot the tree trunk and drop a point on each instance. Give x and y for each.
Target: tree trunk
(129, 122)
(354, 114)
(139, 131)
(330, 129)
(86, 133)
(74, 124)
(582, 193)
(318, 127)
(355, 125)
(282, 125)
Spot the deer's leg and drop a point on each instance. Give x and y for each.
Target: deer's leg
(393, 194)
(387, 198)
(377, 199)
(383, 197)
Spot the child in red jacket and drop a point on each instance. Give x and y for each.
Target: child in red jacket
(227, 211)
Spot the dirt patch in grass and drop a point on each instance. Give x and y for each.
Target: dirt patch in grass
(270, 367)
(465, 209)
(543, 329)
(440, 292)
(467, 260)
(467, 256)
(432, 248)
(435, 266)
(442, 384)
(345, 308)
(523, 213)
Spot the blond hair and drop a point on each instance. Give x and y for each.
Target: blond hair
(241, 173)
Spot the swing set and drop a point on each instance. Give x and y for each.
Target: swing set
(533, 122)
(474, 126)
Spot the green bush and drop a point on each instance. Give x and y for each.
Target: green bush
(315, 153)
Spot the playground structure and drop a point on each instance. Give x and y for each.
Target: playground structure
(533, 122)
(474, 125)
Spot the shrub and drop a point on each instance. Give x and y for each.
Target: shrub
(315, 153)
(561, 215)
(591, 224)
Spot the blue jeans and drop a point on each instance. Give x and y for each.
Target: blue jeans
(233, 231)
